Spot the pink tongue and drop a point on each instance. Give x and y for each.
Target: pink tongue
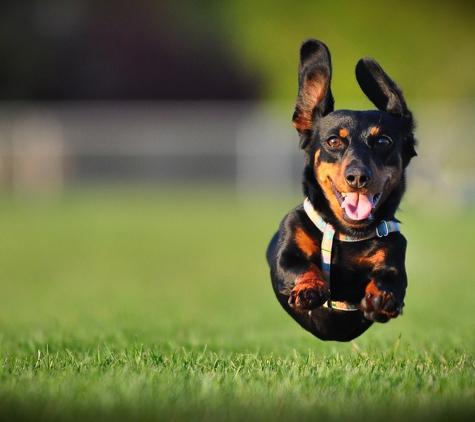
(357, 206)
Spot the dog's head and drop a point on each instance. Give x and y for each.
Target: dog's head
(356, 160)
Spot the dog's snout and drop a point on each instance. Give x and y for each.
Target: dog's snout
(357, 177)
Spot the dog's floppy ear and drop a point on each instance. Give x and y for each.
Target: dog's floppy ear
(314, 98)
(383, 92)
(387, 96)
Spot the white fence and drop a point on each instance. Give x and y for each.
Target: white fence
(44, 147)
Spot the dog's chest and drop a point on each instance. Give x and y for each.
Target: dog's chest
(352, 266)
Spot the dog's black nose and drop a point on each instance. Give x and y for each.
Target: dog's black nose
(357, 177)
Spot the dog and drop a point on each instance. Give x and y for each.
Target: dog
(337, 262)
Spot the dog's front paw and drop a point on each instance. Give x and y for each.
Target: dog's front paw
(308, 295)
(379, 305)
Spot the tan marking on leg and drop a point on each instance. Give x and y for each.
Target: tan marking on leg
(305, 243)
(373, 261)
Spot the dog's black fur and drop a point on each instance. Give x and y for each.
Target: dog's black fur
(359, 153)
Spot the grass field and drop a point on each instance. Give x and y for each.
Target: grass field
(148, 304)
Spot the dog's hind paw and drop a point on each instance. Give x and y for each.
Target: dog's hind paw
(308, 295)
(380, 306)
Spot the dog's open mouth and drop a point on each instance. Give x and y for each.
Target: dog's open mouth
(357, 206)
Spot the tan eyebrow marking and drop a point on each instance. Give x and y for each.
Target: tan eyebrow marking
(374, 131)
(343, 132)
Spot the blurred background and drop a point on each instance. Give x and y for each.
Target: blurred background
(202, 91)
(147, 156)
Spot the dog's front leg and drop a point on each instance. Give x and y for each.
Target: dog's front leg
(300, 279)
(293, 255)
(386, 274)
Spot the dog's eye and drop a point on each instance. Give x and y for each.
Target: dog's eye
(384, 142)
(334, 142)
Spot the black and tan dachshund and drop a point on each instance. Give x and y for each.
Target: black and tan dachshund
(337, 261)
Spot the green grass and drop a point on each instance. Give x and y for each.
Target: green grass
(150, 304)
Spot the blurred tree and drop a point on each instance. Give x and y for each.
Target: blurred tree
(86, 49)
(210, 49)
